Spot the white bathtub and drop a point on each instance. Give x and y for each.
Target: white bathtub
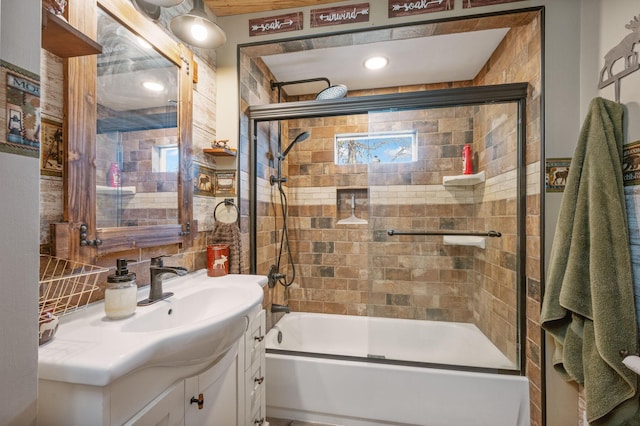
(359, 393)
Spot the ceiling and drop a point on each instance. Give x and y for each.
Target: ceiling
(240, 7)
(421, 60)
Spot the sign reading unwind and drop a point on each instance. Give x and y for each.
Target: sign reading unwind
(340, 15)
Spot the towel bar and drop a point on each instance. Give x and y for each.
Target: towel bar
(465, 234)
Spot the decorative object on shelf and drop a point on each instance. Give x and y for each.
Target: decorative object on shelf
(54, 6)
(114, 175)
(625, 51)
(197, 29)
(65, 286)
(203, 179)
(556, 172)
(275, 24)
(222, 143)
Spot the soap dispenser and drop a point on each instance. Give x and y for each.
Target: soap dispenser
(121, 292)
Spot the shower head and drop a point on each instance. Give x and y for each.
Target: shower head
(332, 92)
(301, 137)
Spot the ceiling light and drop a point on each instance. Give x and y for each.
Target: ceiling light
(153, 86)
(197, 29)
(376, 62)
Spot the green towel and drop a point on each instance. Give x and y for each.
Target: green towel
(588, 307)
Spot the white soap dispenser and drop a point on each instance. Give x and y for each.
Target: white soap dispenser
(121, 292)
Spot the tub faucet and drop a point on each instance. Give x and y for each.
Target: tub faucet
(279, 308)
(156, 272)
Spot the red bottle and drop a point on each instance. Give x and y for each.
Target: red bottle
(467, 161)
(113, 177)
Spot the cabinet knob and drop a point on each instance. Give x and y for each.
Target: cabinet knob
(259, 421)
(259, 338)
(259, 380)
(199, 400)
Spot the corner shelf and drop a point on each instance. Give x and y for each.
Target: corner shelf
(458, 240)
(63, 40)
(221, 152)
(463, 180)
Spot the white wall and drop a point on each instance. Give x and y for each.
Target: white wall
(19, 227)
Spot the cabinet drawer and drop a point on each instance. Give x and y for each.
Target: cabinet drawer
(258, 416)
(254, 340)
(254, 387)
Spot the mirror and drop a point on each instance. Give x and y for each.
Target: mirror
(98, 130)
(137, 147)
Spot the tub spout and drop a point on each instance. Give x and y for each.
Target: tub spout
(279, 308)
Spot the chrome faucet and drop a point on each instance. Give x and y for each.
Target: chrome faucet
(157, 271)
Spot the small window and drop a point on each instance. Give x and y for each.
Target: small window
(166, 159)
(382, 147)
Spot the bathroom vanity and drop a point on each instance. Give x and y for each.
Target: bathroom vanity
(186, 360)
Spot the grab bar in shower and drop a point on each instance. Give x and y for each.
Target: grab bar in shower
(494, 234)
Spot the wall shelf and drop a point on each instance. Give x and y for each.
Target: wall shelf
(463, 180)
(63, 40)
(221, 152)
(110, 190)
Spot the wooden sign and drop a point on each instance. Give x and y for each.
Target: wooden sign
(276, 24)
(340, 15)
(466, 4)
(398, 8)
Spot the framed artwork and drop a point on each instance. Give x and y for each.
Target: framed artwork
(203, 179)
(556, 173)
(52, 151)
(225, 183)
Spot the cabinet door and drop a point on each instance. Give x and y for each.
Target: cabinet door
(166, 410)
(217, 391)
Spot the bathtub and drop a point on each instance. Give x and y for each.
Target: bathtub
(357, 371)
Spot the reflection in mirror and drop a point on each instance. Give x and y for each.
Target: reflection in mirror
(137, 156)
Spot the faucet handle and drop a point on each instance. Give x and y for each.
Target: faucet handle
(157, 261)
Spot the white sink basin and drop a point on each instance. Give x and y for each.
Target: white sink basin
(199, 323)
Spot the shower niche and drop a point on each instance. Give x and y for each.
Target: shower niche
(352, 206)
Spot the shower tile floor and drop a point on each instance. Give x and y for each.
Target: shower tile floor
(285, 422)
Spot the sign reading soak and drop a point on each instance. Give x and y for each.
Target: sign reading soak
(398, 8)
(275, 24)
(340, 15)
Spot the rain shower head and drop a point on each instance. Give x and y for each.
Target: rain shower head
(301, 137)
(330, 92)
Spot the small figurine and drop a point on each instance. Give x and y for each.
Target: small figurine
(220, 144)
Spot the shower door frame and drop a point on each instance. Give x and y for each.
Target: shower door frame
(464, 96)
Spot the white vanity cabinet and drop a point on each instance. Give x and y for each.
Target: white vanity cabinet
(251, 373)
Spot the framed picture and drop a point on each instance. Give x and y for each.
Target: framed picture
(203, 178)
(556, 173)
(52, 151)
(225, 183)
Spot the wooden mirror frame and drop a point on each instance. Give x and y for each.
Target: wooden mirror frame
(80, 128)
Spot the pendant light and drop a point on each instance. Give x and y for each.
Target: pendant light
(197, 29)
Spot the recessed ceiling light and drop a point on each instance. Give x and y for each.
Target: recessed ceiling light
(376, 62)
(154, 86)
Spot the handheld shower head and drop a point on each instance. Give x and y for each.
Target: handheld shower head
(332, 92)
(301, 137)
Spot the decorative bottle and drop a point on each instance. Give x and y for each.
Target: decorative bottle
(121, 293)
(113, 177)
(467, 161)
